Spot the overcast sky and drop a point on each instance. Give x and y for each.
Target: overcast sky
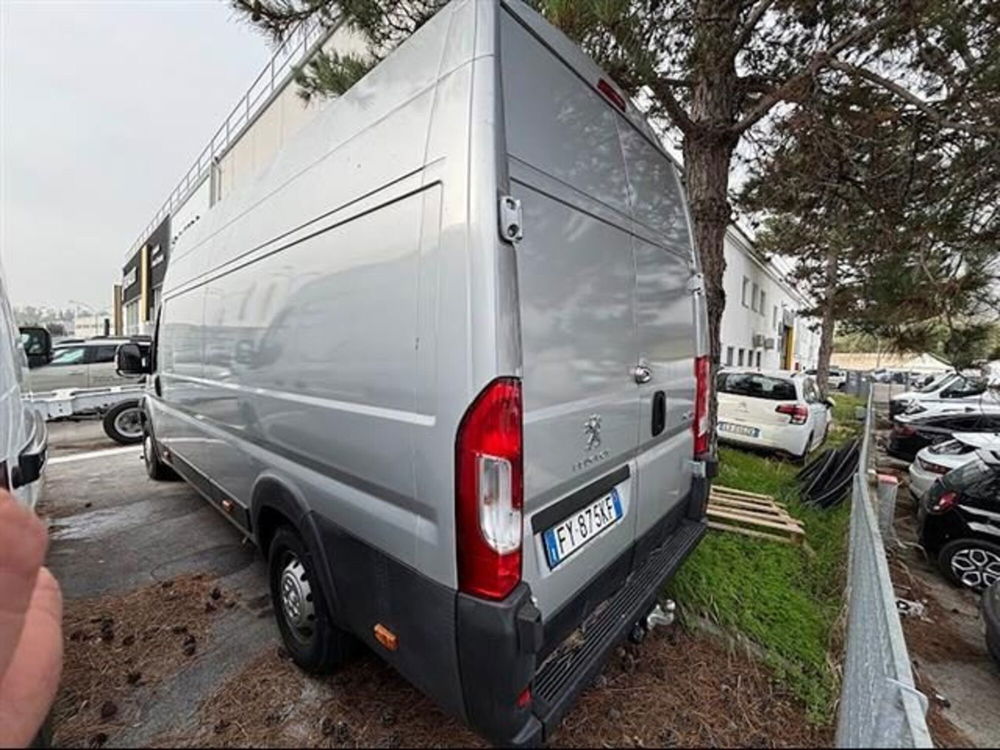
(103, 107)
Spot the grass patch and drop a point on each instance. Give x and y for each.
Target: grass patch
(778, 596)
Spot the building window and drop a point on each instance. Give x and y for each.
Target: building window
(753, 299)
(762, 309)
(758, 360)
(741, 358)
(774, 318)
(746, 291)
(729, 355)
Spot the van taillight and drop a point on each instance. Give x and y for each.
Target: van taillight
(490, 492)
(798, 412)
(611, 95)
(702, 377)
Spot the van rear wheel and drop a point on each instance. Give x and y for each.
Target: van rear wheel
(313, 641)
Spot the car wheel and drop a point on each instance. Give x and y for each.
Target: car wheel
(973, 563)
(312, 640)
(123, 423)
(155, 468)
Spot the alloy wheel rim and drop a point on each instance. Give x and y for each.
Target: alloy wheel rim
(976, 567)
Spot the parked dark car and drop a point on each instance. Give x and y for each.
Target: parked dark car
(911, 432)
(959, 522)
(991, 616)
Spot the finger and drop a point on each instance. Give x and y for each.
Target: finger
(23, 541)
(28, 687)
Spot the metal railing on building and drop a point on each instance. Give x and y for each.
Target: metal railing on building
(298, 47)
(879, 705)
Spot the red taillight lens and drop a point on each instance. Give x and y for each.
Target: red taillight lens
(945, 502)
(798, 412)
(932, 467)
(702, 377)
(611, 95)
(490, 492)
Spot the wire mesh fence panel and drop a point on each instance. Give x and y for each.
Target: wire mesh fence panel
(879, 705)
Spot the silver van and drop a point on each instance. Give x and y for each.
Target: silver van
(445, 362)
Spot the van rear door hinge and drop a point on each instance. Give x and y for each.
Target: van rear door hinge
(696, 283)
(511, 227)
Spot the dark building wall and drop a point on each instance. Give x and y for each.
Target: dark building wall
(159, 249)
(132, 287)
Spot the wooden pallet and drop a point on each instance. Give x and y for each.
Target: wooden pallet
(752, 514)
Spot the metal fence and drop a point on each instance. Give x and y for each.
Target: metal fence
(879, 705)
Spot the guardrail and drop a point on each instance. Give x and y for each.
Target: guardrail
(879, 705)
(298, 47)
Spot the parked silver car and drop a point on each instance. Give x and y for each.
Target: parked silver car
(445, 362)
(84, 364)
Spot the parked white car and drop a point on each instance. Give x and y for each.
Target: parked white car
(836, 379)
(954, 388)
(774, 410)
(936, 460)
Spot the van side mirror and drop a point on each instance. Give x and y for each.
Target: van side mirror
(130, 360)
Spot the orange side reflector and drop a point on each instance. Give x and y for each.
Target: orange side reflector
(227, 505)
(386, 637)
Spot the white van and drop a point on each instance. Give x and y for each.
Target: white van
(23, 435)
(445, 362)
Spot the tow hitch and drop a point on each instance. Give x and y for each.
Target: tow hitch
(658, 615)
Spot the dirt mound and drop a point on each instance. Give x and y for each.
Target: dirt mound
(115, 645)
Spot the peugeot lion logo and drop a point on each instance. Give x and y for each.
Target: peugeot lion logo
(592, 430)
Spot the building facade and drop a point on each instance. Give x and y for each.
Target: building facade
(763, 326)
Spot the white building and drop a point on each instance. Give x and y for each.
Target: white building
(762, 326)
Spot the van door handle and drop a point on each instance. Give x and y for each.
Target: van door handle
(642, 374)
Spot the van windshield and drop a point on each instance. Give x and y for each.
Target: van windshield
(756, 385)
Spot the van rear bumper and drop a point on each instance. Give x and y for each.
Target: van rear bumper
(499, 644)
(476, 658)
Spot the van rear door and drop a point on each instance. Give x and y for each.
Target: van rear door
(602, 282)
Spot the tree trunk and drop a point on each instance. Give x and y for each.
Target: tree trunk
(827, 322)
(706, 163)
(708, 148)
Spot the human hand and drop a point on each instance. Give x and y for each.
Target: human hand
(30, 625)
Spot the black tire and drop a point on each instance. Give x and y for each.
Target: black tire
(155, 468)
(979, 559)
(313, 641)
(123, 423)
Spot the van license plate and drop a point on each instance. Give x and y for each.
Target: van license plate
(739, 429)
(566, 537)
